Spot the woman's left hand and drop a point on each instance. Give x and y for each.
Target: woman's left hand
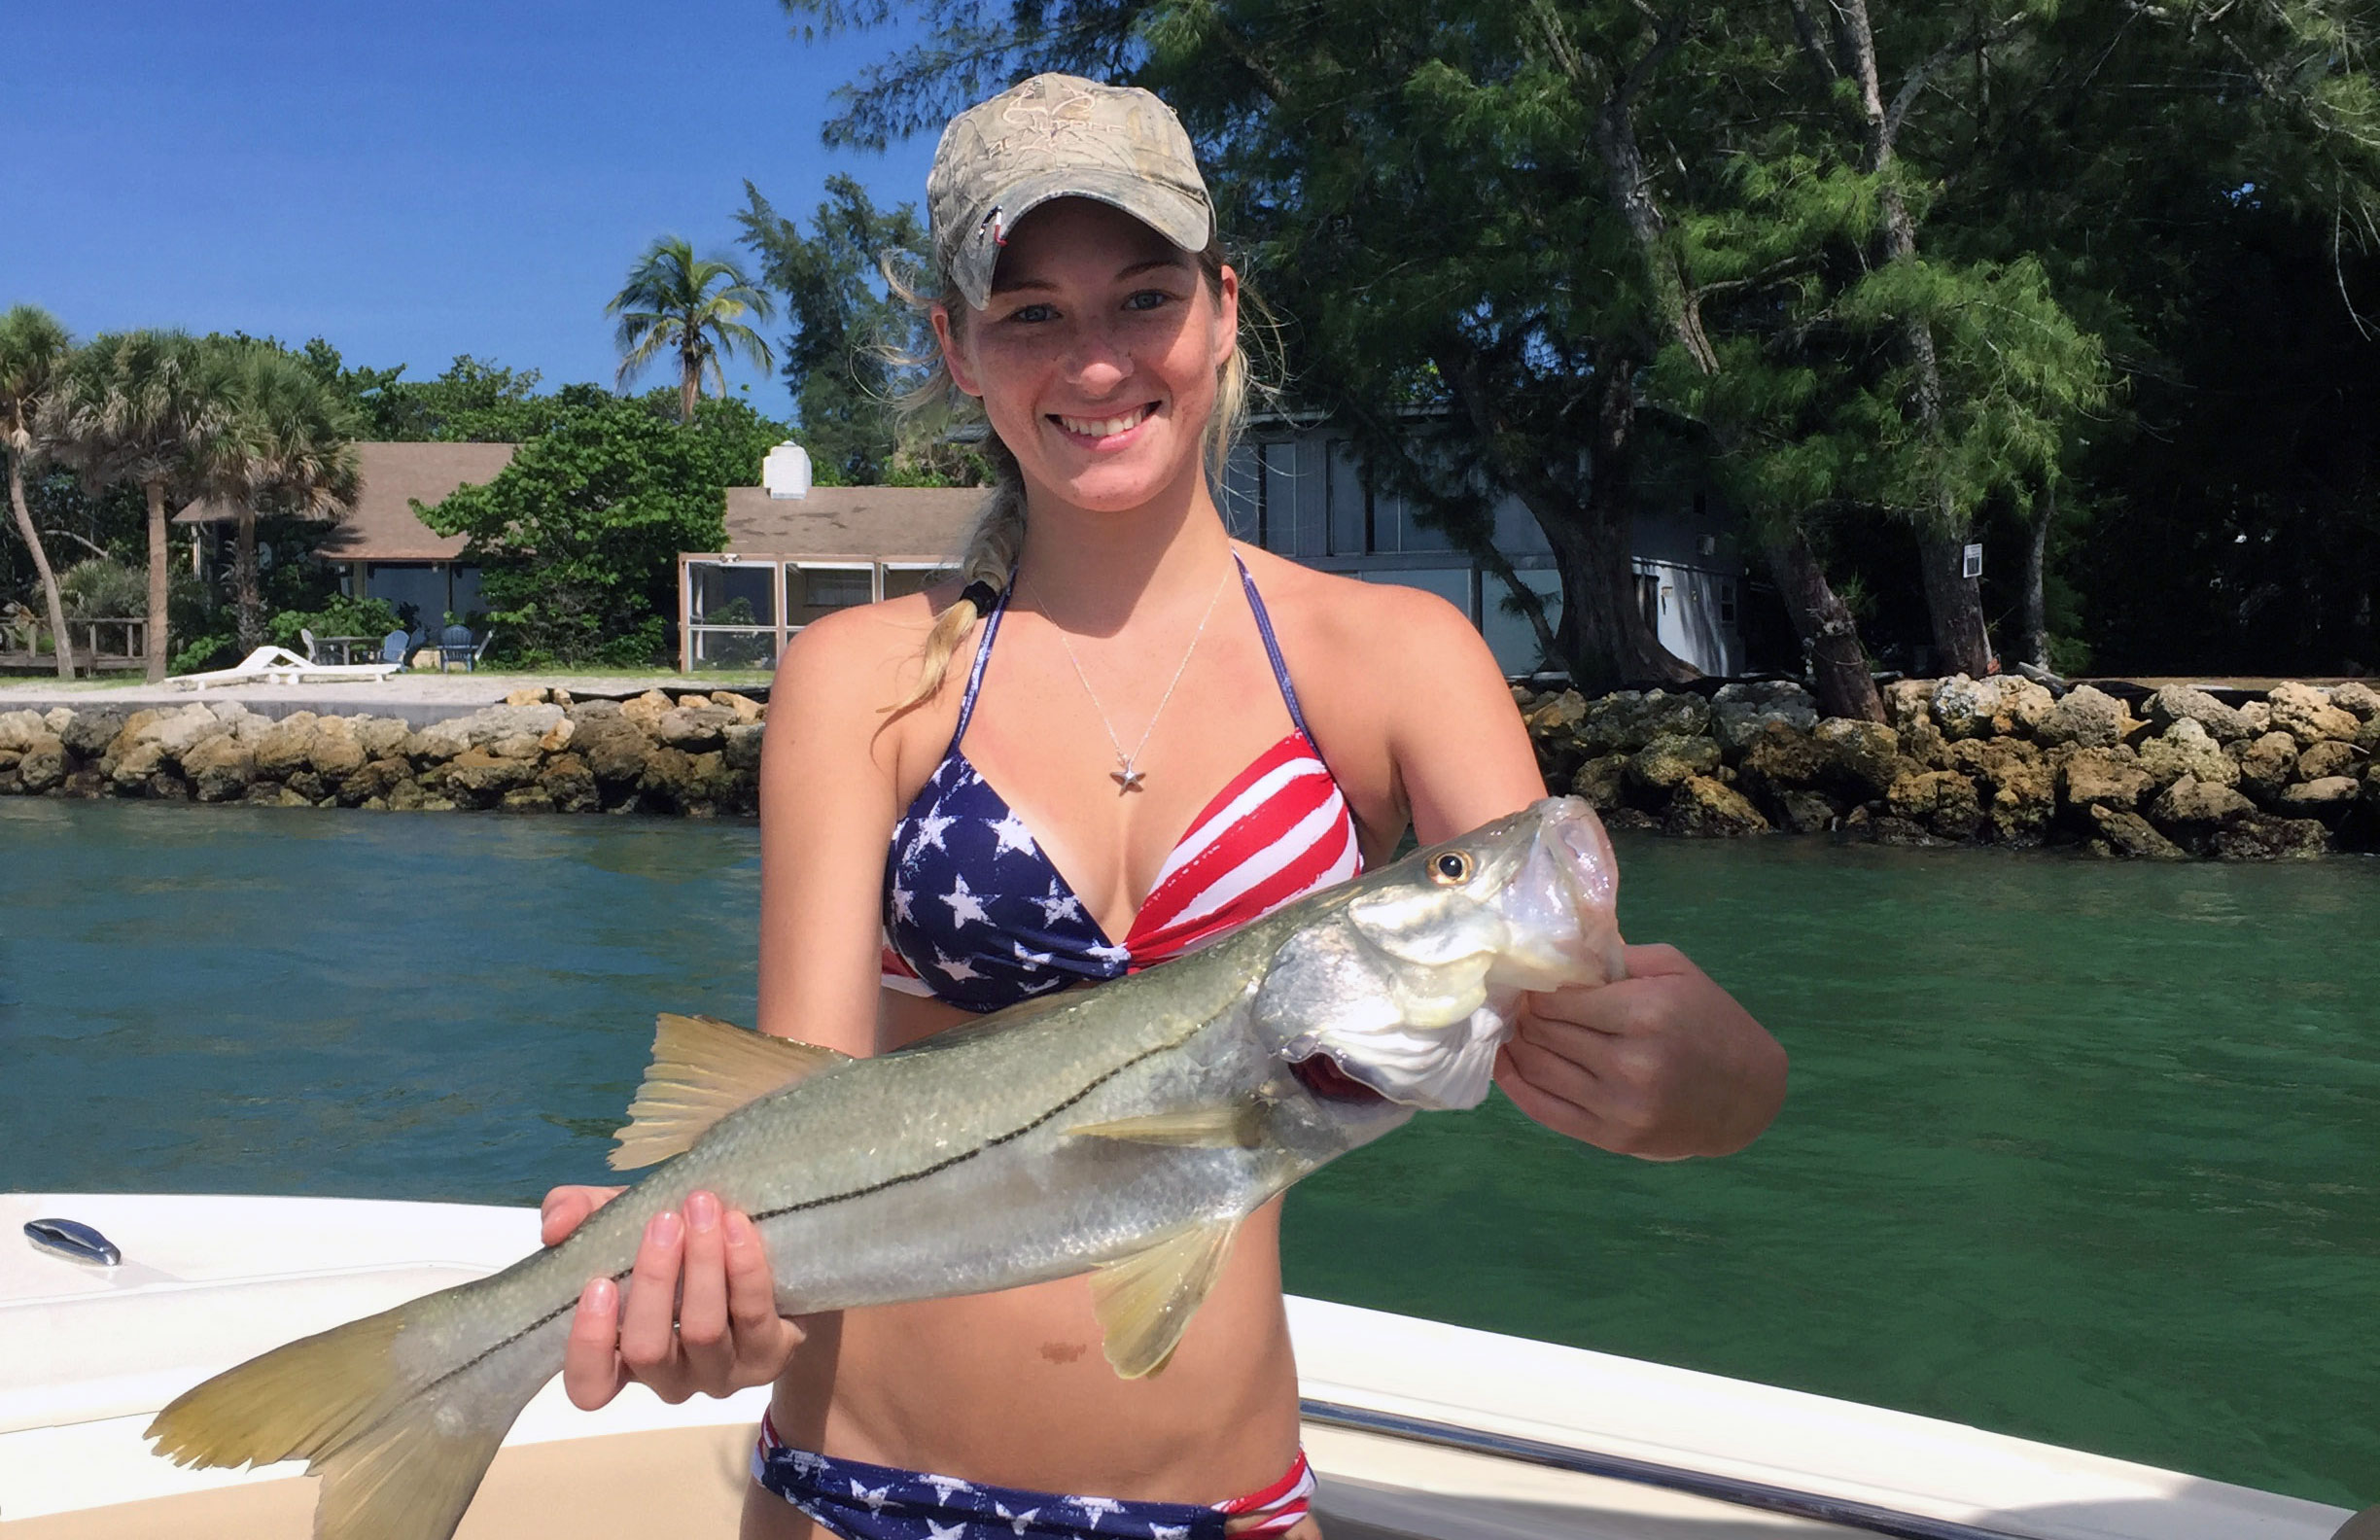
(1662, 1063)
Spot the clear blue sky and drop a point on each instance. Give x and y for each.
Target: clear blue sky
(408, 181)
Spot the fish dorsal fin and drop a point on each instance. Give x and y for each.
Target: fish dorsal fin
(1144, 1302)
(1240, 1125)
(703, 1069)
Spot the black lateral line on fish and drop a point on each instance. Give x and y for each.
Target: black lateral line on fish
(918, 1175)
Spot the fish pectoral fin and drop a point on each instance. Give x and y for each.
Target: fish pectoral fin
(1237, 1126)
(1144, 1302)
(703, 1069)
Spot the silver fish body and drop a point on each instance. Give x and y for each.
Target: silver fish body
(1121, 1131)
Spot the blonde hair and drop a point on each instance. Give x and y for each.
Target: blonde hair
(997, 537)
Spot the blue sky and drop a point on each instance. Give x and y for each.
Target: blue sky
(411, 181)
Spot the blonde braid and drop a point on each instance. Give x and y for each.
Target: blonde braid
(993, 544)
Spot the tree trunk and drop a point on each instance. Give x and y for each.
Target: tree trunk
(1829, 637)
(158, 551)
(689, 386)
(1955, 602)
(2035, 638)
(251, 601)
(1610, 630)
(40, 565)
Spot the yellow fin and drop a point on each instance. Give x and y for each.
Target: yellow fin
(703, 1069)
(1239, 1125)
(1144, 1303)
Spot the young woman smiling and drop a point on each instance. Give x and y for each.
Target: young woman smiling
(1117, 724)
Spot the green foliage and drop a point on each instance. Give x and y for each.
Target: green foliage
(98, 588)
(856, 343)
(577, 539)
(339, 616)
(675, 302)
(476, 401)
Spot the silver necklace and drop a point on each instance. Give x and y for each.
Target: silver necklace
(1126, 778)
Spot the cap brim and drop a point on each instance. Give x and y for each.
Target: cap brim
(1180, 216)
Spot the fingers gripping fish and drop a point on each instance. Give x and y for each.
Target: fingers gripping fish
(1123, 1131)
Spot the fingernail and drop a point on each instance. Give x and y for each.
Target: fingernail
(738, 1230)
(702, 1211)
(663, 1230)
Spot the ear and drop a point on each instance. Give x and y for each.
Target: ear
(1227, 314)
(954, 351)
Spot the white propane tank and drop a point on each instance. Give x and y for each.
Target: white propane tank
(785, 473)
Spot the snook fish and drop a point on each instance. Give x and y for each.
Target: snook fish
(1123, 1131)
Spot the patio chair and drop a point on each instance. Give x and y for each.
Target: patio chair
(313, 652)
(455, 646)
(394, 649)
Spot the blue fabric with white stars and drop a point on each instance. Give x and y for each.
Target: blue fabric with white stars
(860, 1501)
(1015, 930)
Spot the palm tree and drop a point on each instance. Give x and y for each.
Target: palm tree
(133, 406)
(284, 445)
(669, 303)
(32, 348)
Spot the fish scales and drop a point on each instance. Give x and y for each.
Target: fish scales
(1123, 1131)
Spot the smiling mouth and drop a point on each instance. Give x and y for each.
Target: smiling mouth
(1105, 427)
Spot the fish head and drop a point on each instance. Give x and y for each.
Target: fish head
(1410, 984)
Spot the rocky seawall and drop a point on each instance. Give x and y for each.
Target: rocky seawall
(691, 753)
(2001, 761)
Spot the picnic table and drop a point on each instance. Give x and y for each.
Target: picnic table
(346, 647)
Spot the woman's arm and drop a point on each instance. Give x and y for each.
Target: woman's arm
(701, 1311)
(1662, 1063)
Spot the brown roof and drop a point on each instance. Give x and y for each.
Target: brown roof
(382, 526)
(883, 523)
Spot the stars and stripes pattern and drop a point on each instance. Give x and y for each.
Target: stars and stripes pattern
(860, 1501)
(975, 913)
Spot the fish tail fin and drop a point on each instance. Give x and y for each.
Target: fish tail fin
(400, 1454)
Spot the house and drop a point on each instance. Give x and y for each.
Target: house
(388, 552)
(796, 552)
(1296, 487)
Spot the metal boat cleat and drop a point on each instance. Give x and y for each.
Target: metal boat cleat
(74, 1240)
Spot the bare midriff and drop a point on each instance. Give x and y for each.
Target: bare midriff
(1014, 1388)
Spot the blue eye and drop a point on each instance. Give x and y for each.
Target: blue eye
(1148, 300)
(1031, 314)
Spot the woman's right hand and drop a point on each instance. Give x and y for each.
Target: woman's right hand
(701, 1315)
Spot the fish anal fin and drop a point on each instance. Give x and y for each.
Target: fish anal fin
(1145, 1301)
(703, 1069)
(1239, 1125)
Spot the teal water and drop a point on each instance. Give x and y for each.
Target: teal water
(2082, 1152)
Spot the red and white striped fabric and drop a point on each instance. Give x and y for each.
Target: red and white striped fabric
(1280, 831)
(1275, 1509)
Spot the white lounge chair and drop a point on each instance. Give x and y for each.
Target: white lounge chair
(274, 665)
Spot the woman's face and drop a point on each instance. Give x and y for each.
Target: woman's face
(1095, 358)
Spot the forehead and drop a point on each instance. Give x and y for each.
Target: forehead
(1080, 238)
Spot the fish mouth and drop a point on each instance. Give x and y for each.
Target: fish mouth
(1323, 1077)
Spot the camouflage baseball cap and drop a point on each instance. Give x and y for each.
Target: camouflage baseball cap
(1058, 136)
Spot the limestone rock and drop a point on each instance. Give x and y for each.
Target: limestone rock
(559, 696)
(89, 732)
(527, 695)
(1864, 757)
(693, 699)
(42, 766)
(375, 780)
(1742, 713)
(1781, 759)
(645, 710)
(2325, 759)
(1805, 811)
(1626, 720)
(746, 709)
(2261, 836)
(477, 777)
(569, 785)
(2022, 803)
(2130, 836)
(527, 799)
(2192, 804)
(381, 737)
(332, 751)
(2266, 764)
(694, 729)
(584, 711)
(409, 796)
(558, 737)
(19, 729)
(2186, 749)
(220, 768)
(2306, 714)
(2088, 717)
(2357, 699)
(2327, 798)
(55, 719)
(1705, 808)
(1907, 702)
(612, 747)
(487, 727)
(286, 746)
(2180, 703)
(2256, 716)
(2000, 706)
(131, 769)
(739, 746)
(306, 785)
(1943, 802)
(177, 732)
(1669, 759)
(1994, 760)
(1557, 715)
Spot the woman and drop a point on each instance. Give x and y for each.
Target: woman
(1034, 742)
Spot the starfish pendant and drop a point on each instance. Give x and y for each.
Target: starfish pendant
(1126, 778)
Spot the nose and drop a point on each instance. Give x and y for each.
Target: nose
(1099, 360)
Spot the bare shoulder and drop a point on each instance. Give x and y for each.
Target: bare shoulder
(859, 656)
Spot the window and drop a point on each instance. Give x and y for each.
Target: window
(813, 593)
(1350, 516)
(1726, 601)
(902, 580)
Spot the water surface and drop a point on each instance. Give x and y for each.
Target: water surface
(2078, 1151)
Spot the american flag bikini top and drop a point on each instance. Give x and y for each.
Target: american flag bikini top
(975, 914)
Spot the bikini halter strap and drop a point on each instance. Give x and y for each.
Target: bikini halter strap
(983, 656)
(1264, 628)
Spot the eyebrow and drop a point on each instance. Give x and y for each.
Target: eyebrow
(1044, 286)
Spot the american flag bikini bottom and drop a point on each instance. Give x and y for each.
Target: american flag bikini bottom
(860, 1501)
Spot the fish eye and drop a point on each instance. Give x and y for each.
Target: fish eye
(1452, 868)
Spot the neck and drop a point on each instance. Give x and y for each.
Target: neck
(1099, 567)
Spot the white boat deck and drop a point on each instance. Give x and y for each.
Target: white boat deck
(1420, 1430)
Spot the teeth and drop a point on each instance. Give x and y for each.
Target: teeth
(1103, 427)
